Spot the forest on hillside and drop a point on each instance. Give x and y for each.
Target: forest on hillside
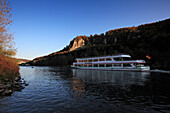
(150, 39)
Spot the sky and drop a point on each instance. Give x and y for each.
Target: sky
(41, 27)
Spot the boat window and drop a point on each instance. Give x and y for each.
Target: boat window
(95, 65)
(79, 61)
(85, 60)
(108, 59)
(95, 60)
(90, 60)
(89, 65)
(127, 65)
(117, 65)
(126, 58)
(101, 59)
(101, 65)
(118, 59)
(108, 65)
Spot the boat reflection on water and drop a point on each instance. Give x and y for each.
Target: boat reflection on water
(109, 84)
(121, 78)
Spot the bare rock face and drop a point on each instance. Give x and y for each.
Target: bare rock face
(77, 43)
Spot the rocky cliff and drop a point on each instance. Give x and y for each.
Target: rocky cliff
(78, 43)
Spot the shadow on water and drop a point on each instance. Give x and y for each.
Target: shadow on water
(62, 89)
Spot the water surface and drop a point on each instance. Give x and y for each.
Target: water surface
(62, 89)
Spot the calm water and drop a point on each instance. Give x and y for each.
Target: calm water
(56, 89)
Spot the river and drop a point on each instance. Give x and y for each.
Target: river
(62, 89)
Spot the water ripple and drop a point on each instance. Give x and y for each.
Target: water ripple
(58, 89)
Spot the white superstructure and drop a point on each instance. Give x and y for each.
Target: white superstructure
(116, 62)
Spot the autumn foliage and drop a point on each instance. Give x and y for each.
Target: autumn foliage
(8, 65)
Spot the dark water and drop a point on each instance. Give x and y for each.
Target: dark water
(56, 90)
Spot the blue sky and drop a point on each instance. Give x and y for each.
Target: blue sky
(41, 27)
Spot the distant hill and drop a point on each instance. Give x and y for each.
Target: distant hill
(149, 39)
(21, 61)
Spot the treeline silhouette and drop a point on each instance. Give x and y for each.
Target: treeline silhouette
(149, 39)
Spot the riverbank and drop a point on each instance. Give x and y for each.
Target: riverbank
(7, 87)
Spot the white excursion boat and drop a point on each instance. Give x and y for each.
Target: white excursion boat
(117, 62)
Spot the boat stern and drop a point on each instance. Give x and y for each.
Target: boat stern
(144, 68)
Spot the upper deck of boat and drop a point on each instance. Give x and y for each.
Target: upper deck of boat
(104, 57)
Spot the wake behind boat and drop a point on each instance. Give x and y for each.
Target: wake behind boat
(117, 62)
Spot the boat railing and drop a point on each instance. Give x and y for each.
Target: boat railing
(124, 61)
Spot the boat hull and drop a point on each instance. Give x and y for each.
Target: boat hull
(146, 68)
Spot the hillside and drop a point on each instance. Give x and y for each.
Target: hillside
(150, 39)
(21, 61)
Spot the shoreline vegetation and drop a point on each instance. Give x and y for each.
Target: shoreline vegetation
(10, 79)
(149, 39)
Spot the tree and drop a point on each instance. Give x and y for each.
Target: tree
(8, 66)
(6, 38)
